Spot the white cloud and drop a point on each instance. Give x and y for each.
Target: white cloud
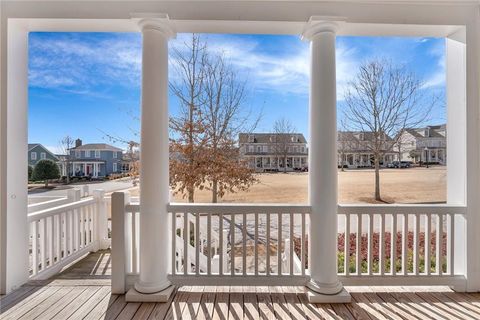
(438, 77)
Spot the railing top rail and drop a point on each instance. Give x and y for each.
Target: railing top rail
(230, 208)
(240, 208)
(59, 209)
(401, 209)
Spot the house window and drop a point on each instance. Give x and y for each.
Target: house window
(33, 155)
(114, 155)
(303, 149)
(77, 154)
(97, 153)
(115, 167)
(250, 148)
(251, 138)
(87, 153)
(265, 148)
(259, 149)
(43, 155)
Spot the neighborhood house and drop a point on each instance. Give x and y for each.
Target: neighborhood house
(274, 151)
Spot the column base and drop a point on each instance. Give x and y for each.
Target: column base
(162, 296)
(325, 288)
(341, 297)
(148, 287)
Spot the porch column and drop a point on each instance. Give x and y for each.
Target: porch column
(322, 178)
(154, 185)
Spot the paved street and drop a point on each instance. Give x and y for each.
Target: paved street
(61, 191)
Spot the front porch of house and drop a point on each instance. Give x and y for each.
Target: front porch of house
(305, 253)
(83, 291)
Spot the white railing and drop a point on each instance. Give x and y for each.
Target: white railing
(63, 233)
(227, 244)
(398, 244)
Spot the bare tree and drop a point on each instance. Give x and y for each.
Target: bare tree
(284, 130)
(187, 142)
(382, 101)
(65, 145)
(224, 117)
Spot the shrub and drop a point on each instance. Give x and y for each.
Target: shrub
(45, 170)
(30, 170)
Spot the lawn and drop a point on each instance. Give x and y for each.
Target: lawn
(411, 185)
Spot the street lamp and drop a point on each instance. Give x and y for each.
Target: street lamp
(426, 156)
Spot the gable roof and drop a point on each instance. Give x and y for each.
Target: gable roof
(434, 131)
(265, 137)
(33, 145)
(96, 146)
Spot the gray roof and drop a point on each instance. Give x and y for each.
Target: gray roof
(434, 131)
(265, 137)
(97, 146)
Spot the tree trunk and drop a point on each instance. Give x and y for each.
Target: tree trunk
(191, 193)
(214, 191)
(377, 179)
(46, 183)
(67, 172)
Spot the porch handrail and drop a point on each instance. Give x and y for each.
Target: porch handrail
(374, 223)
(61, 234)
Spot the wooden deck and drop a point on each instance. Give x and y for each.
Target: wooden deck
(83, 292)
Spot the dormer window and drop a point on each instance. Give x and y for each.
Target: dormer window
(251, 138)
(427, 132)
(361, 136)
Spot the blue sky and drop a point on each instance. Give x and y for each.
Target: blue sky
(81, 84)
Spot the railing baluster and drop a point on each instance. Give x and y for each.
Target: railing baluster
(405, 245)
(346, 238)
(450, 244)
(65, 236)
(220, 244)
(58, 237)
(267, 249)
(76, 228)
(35, 247)
(393, 246)
(370, 243)
(232, 244)
(43, 243)
(416, 244)
(279, 244)
(381, 245)
(197, 243)
(186, 240)
(292, 244)
(304, 253)
(134, 242)
(428, 229)
(244, 244)
(50, 240)
(174, 242)
(209, 243)
(358, 246)
(256, 243)
(82, 227)
(439, 245)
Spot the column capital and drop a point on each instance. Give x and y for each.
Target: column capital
(155, 21)
(318, 24)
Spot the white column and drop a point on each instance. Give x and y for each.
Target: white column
(322, 178)
(154, 185)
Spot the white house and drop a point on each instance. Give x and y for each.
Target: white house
(268, 151)
(428, 144)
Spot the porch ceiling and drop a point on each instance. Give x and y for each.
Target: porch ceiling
(375, 18)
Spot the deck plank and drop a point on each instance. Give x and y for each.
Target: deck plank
(69, 296)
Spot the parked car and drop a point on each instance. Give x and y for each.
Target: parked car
(399, 164)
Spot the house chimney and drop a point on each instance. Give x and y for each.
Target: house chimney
(78, 143)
